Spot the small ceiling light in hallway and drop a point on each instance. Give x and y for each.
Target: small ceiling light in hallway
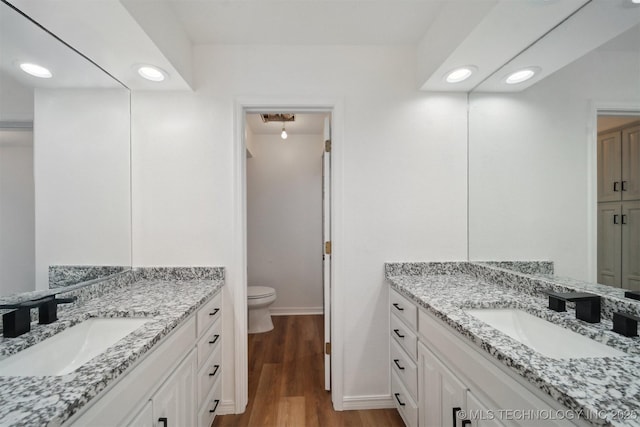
(460, 74)
(521, 75)
(283, 135)
(36, 70)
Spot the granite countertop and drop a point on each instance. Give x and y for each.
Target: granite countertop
(50, 400)
(605, 390)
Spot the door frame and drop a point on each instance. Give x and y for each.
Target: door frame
(597, 108)
(237, 274)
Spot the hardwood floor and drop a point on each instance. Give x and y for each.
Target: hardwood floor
(286, 382)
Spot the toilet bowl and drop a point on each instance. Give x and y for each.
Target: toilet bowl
(259, 298)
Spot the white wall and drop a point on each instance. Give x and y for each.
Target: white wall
(532, 164)
(403, 178)
(17, 223)
(284, 220)
(82, 165)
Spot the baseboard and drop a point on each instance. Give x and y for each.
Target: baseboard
(367, 402)
(295, 311)
(226, 407)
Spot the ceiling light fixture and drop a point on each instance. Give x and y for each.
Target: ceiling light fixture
(460, 74)
(36, 70)
(521, 75)
(152, 73)
(635, 1)
(283, 135)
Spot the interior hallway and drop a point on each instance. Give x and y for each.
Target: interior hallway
(286, 376)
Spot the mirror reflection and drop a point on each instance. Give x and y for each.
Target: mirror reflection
(538, 166)
(64, 162)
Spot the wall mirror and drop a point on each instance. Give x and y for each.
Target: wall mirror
(64, 163)
(533, 157)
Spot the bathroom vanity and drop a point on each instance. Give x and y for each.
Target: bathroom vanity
(166, 371)
(449, 368)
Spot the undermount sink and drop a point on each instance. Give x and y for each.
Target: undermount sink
(542, 336)
(66, 351)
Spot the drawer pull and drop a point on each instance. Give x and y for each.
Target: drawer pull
(454, 415)
(215, 371)
(214, 312)
(215, 407)
(397, 331)
(397, 364)
(215, 338)
(398, 399)
(395, 304)
(164, 421)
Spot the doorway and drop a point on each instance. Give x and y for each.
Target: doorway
(239, 280)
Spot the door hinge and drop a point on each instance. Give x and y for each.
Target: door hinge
(327, 248)
(327, 348)
(327, 146)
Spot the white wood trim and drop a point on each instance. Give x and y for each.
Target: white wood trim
(237, 277)
(367, 402)
(596, 107)
(295, 311)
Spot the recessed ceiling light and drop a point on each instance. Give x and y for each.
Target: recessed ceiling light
(521, 75)
(635, 1)
(460, 74)
(152, 73)
(36, 70)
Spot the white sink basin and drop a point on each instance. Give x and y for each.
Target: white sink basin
(68, 350)
(542, 336)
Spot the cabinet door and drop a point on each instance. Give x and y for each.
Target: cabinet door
(631, 245)
(480, 415)
(144, 418)
(609, 244)
(609, 164)
(631, 164)
(441, 393)
(175, 400)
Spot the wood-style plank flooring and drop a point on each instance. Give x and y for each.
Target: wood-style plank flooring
(286, 382)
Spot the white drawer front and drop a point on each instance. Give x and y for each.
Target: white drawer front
(405, 368)
(406, 406)
(209, 342)
(208, 313)
(210, 408)
(404, 336)
(404, 309)
(208, 375)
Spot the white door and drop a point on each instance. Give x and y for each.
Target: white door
(326, 250)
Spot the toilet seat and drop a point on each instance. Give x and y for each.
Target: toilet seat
(254, 292)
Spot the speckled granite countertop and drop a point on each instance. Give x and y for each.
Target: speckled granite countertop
(50, 400)
(606, 390)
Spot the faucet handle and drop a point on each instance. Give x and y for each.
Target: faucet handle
(587, 304)
(625, 324)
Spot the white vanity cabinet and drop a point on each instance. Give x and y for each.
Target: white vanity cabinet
(457, 385)
(176, 384)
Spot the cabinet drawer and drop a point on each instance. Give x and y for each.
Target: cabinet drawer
(211, 406)
(208, 342)
(208, 314)
(405, 368)
(405, 337)
(404, 309)
(404, 403)
(208, 375)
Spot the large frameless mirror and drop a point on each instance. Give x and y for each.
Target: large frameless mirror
(536, 156)
(65, 211)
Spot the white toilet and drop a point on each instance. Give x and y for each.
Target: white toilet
(259, 298)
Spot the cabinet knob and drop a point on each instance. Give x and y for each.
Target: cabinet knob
(397, 332)
(397, 395)
(215, 370)
(398, 365)
(164, 421)
(624, 186)
(214, 312)
(615, 219)
(215, 338)
(395, 304)
(615, 186)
